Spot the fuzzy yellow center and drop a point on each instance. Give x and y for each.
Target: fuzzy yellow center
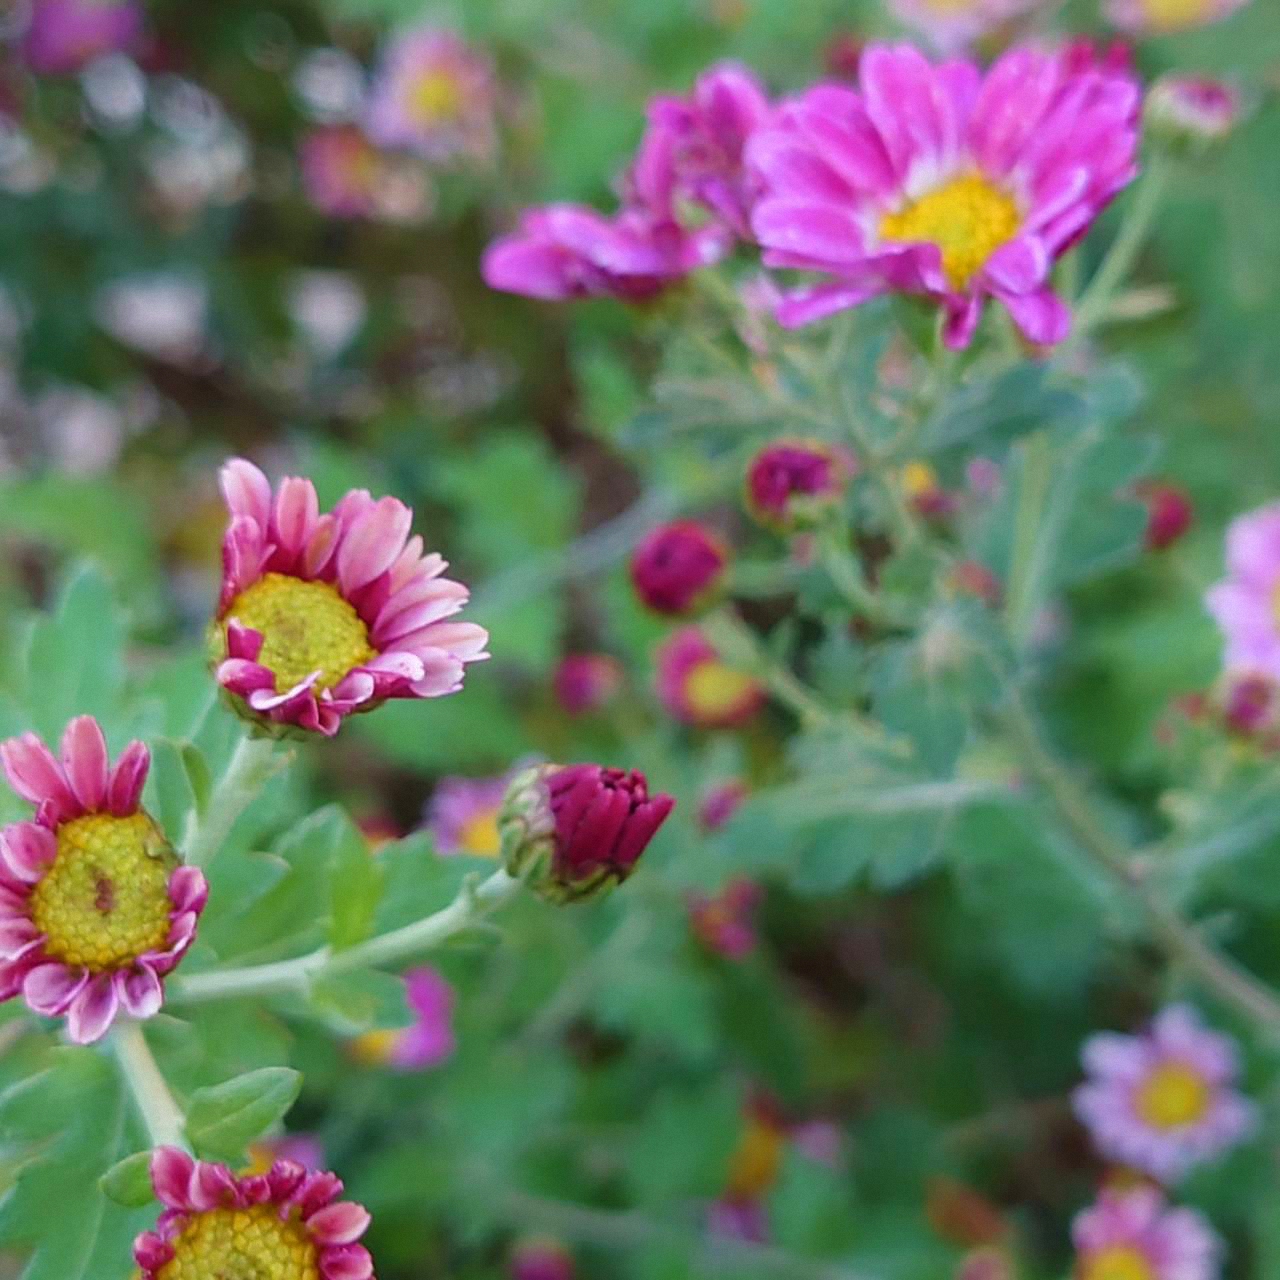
(105, 899)
(967, 218)
(480, 835)
(242, 1244)
(305, 627)
(374, 1048)
(1172, 14)
(756, 1162)
(1119, 1262)
(714, 691)
(948, 8)
(436, 96)
(1173, 1096)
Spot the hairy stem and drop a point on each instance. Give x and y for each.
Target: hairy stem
(165, 1123)
(251, 764)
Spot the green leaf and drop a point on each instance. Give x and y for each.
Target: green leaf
(223, 1120)
(355, 885)
(354, 1002)
(128, 1182)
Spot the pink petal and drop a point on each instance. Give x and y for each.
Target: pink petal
(188, 889)
(27, 851)
(50, 988)
(84, 760)
(1020, 266)
(247, 491)
(36, 776)
(211, 1185)
(150, 1252)
(93, 1010)
(243, 642)
(372, 544)
(18, 937)
(124, 787)
(1042, 316)
(320, 546)
(241, 677)
(347, 1262)
(297, 510)
(341, 1223)
(140, 991)
(171, 1173)
(462, 640)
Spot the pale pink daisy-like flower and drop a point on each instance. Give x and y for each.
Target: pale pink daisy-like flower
(428, 1041)
(323, 615)
(934, 179)
(434, 95)
(1164, 1100)
(1247, 604)
(342, 171)
(954, 24)
(63, 36)
(1160, 17)
(463, 815)
(1134, 1235)
(698, 687)
(95, 909)
(284, 1222)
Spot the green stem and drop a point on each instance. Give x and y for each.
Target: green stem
(1175, 936)
(251, 764)
(283, 976)
(846, 576)
(1025, 570)
(163, 1118)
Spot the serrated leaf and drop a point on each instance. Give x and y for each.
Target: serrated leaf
(223, 1120)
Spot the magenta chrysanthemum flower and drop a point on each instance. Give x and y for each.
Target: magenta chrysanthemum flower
(325, 615)
(463, 815)
(541, 1260)
(429, 1040)
(793, 483)
(434, 95)
(1133, 1235)
(585, 682)
(94, 908)
(679, 567)
(1247, 604)
(936, 180)
(284, 1223)
(1159, 17)
(693, 149)
(697, 687)
(1193, 109)
(952, 24)
(65, 35)
(341, 171)
(725, 923)
(1164, 1100)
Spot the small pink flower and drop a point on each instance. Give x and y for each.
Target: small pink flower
(586, 682)
(428, 1041)
(1250, 703)
(434, 95)
(463, 815)
(541, 1260)
(951, 25)
(324, 615)
(694, 147)
(216, 1223)
(940, 181)
(697, 687)
(1164, 1100)
(720, 803)
(1247, 604)
(679, 567)
(738, 1218)
(1133, 1234)
(792, 484)
(1193, 109)
(1159, 17)
(1169, 513)
(342, 172)
(298, 1148)
(725, 922)
(63, 36)
(95, 909)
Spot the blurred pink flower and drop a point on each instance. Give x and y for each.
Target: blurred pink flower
(720, 803)
(341, 171)
(65, 35)
(1132, 1234)
(586, 682)
(734, 1218)
(725, 922)
(463, 815)
(1159, 17)
(1251, 703)
(300, 1148)
(428, 1041)
(953, 24)
(1169, 512)
(791, 484)
(541, 1260)
(938, 180)
(697, 687)
(679, 568)
(1247, 604)
(1193, 109)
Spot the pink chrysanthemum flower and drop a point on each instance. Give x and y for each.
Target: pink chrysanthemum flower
(586, 682)
(698, 687)
(937, 180)
(463, 815)
(693, 149)
(428, 1041)
(285, 1224)
(725, 923)
(679, 568)
(1159, 17)
(793, 484)
(1133, 1235)
(342, 171)
(950, 25)
(434, 95)
(63, 36)
(94, 908)
(325, 615)
(1164, 1100)
(1247, 604)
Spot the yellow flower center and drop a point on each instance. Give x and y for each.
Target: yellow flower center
(374, 1048)
(305, 627)
(945, 8)
(436, 96)
(715, 691)
(918, 479)
(756, 1162)
(1119, 1262)
(480, 836)
(967, 218)
(1173, 1096)
(105, 899)
(242, 1244)
(1169, 15)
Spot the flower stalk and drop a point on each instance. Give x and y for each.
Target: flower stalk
(163, 1118)
(252, 763)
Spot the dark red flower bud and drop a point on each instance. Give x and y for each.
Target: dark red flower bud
(1251, 703)
(541, 1260)
(792, 483)
(1169, 513)
(720, 803)
(679, 567)
(574, 831)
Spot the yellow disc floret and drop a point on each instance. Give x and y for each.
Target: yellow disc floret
(1119, 1262)
(436, 96)
(967, 218)
(480, 835)
(242, 1244)
(305, 627)
(1170, 15)
(714, 690)
(1173, 1096)
(105, 900)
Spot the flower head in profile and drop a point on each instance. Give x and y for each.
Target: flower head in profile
(697, 687)
(1193, 111)
(463, 815)
(434, 95)
(1247, 604)
(342, 171)
(64, 36)
(1134, 1235)
(1164, 1100)
(1170, 512)
(429, 1039)
(1160, 17)
(679, 567)
(693, 150)
(933, 179)
(323, 615)
(95, 909)
(725, 922)
(950, 25)
(586, 682)
(573, 831)
(286, 1223)
(792, 484)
